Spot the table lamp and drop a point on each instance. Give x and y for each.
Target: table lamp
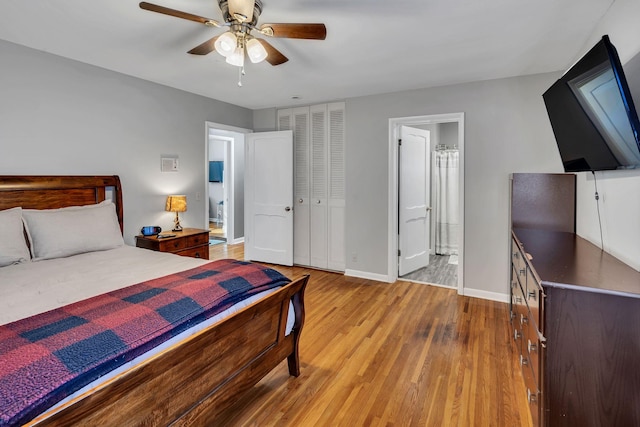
(176, 203)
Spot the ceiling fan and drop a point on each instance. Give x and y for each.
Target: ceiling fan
(241, 17)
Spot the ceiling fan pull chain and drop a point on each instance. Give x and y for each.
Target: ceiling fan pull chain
(240, 74)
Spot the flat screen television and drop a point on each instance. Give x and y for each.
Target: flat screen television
(216, 171)
(592, 113)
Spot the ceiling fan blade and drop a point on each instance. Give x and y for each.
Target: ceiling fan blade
(274, 56)
(295, 31)
(205, 48)
(241, 7)
(177, 13)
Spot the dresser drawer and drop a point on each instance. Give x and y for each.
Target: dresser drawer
(197, 240)
(531, 346)
(199, 252)
(519, 266)
(519, 310)
(531, 387)
(514, 285)
(172, 245)
(516, 255)
(533, 294)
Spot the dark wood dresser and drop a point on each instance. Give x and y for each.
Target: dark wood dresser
(575, 313)
(192, 242)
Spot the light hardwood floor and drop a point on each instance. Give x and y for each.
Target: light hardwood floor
(401, 354)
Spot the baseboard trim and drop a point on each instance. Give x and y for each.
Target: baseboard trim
(475, 293)
(366, 275)
(236, 241)
(493, 296)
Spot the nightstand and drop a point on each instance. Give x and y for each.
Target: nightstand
(193, 242)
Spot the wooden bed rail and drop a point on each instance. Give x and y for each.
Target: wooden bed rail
(193, 382)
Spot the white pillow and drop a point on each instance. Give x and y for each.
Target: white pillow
(13, 246)
(57, 233)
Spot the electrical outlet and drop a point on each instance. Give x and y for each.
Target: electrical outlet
(354, 257)
(198, 196)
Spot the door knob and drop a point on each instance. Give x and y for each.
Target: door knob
(300, 200)
(287, 209)
(428, 208)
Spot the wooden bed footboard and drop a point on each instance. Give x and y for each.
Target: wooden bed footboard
(194, 381)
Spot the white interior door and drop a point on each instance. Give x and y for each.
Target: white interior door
(414, 200)
(269, 197)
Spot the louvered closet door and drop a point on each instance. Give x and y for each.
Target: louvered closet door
(336, 186)
(319, 187)
(319, 183)
(297, 119)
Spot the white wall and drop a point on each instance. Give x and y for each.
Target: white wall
(619, 190)
(59, 116)
(448, 134)
(506, 129)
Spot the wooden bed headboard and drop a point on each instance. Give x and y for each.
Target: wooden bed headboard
(59, 191)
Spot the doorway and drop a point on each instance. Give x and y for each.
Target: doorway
(224, 203)
(219, 163)
(445, 245)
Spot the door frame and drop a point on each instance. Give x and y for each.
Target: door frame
(229, 133)
(394, 134)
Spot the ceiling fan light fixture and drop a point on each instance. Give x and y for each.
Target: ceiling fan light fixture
(255, 51)
(226, 44)
(237, 57)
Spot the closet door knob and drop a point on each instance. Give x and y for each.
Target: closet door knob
(287, 209)
(300, 200)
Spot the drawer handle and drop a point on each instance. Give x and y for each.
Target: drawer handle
(518, 299)
(513, 315)
(524, 320)
(531, 295)
(532, 397)
(516, 255)
(198, 255)
(516, 335)
(523, 360)
(532, 347)
(523, 271)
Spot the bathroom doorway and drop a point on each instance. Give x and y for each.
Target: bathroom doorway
(443, 205)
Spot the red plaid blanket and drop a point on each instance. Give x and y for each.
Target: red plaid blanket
(45, 358)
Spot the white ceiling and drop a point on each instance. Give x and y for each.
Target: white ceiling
(372, 46)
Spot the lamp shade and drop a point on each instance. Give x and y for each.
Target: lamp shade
(226, 44)
(255, 51)
(176, 203)
(237, 57)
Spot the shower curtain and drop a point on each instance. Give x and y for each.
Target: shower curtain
(446, 202)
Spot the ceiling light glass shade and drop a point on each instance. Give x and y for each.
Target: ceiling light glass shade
(255, 51)
(237, 57)
(226, 44)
